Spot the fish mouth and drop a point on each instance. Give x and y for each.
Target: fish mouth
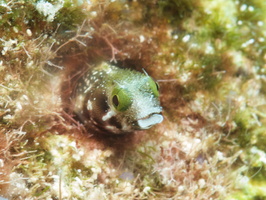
(150, 120)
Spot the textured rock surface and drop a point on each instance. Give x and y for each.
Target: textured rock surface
(209, 59)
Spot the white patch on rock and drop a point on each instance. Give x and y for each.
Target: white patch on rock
(48, 10)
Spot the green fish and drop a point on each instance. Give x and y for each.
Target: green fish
(112, 100)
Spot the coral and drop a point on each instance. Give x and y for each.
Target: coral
(209, 60)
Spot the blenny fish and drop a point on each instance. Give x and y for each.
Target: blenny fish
(114, 100)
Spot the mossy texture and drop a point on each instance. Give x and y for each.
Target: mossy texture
(209, 59)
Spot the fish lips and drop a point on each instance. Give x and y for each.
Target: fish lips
(150, 120)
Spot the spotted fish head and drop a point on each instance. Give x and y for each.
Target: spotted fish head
(114, 100)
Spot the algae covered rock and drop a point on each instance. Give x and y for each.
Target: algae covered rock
(208, 58)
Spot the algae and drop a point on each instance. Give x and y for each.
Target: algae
(209, 60)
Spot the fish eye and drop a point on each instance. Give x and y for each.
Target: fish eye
(115, 100)
(154, 86)
(121, 99)
(157, 85)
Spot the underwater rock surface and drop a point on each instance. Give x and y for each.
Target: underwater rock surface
(209, 60)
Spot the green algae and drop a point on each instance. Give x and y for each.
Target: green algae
(209, 57)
